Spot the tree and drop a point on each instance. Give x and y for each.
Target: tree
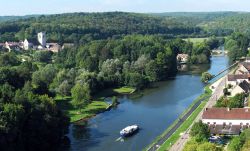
(136, 80)
(80, 94)
(43, 56)
(151, 71)
(191, 145)
(200, 131)
(235, 144)
(205, 77)
(6, 93)
(9, 59)
(208, 147)
(64, 88)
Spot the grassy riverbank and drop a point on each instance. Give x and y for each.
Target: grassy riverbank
(124, 90)
(173, 138)
(88, 111)
(95, 107)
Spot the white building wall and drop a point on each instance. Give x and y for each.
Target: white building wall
(42, 38)
(237, 90)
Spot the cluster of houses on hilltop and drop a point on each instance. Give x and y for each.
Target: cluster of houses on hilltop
(235, 120)
(42, 44)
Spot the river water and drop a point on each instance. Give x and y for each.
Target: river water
(153, 111)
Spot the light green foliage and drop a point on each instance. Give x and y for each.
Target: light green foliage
(208, 147)
(205, 77)
(80, 94)
(124, 90)
(235, 144)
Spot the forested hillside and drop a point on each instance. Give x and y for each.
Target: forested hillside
(215, 23)
(84, 27)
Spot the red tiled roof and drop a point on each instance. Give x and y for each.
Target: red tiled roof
(225, 113)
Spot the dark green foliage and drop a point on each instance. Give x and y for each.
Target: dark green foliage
(235, 102)
(43, 56)
(85, 27)
(33, 123)
(200, 131)
(237, 44)
(8, 59)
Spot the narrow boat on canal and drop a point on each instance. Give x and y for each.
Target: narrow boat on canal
(129, 130)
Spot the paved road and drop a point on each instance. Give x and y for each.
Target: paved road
(176, 126)
(218, 92)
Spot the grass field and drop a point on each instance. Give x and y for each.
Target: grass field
(88, 111)
(195, 40)
(124, 90)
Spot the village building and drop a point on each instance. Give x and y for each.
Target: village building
(182, 58)
(226, 121)
(27, 45)
(13, 46)
(41, 37)
(235, 79)
(54, 47)
(67, 45)
(243, 87)
(244, 68)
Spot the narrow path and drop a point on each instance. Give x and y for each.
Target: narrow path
(176, 126)
(225, 70)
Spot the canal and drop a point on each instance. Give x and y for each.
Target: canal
(153, 111)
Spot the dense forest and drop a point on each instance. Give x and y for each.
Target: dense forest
(85, 27)
(111, 50)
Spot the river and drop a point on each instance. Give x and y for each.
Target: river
(154, 111)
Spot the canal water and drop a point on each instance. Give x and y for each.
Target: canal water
(153, 111)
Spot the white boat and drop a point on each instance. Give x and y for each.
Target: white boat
(129, 130)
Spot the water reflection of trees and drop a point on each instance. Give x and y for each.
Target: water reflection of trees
(81, 131)
(193, 69)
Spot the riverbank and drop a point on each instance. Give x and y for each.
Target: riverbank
(98, 105)
(173, 132)
(87, 112)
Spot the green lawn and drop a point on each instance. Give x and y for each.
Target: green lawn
(195, 40)
(90, 110)
(124, 90)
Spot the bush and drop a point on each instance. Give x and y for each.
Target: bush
(205, 77)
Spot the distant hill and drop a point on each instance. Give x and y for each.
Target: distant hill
(75, 27)
(13, 18)
(213, 22)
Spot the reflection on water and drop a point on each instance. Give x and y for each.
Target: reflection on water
(152, 109)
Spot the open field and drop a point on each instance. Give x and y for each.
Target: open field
(124, 90)
(195, 40)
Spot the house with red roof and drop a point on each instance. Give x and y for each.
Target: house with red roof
(226, 120)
